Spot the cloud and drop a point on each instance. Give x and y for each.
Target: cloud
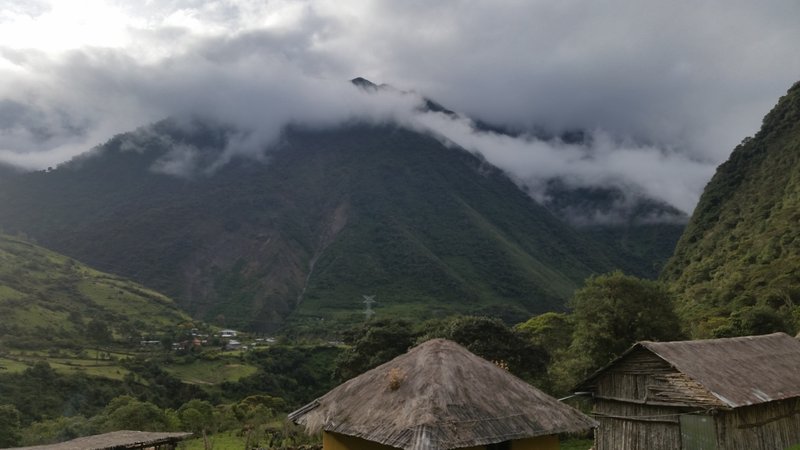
(665, 90)
(602, 161)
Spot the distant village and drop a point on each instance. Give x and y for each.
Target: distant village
(739, 393)
(226, 340)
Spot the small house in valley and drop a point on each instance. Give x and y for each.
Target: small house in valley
(719, 394)
(228, 334)
(439, 396)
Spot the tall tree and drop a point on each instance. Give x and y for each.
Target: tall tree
(610, 313)
(491, 339)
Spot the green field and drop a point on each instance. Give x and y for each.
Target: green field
(11, 366)
(210, 372)
(89, 364)
(51, 301)
(200, 372)
(220, 441)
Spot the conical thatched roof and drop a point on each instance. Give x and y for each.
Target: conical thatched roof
(439, 396)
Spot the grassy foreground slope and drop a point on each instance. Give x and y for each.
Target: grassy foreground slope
(47, 299)
(736, 268)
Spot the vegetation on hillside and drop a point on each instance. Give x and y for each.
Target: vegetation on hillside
(610, 313)
(46, 405)
(48, 300)
(553, 351)
(428, 229)
(736, 268)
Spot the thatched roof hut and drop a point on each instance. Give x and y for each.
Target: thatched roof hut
(118, 440)
(734, 393)
(438, 396)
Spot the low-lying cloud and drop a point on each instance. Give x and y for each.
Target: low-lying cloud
(601, 161)
(663, 91)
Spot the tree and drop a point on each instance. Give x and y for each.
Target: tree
(610, 313)
(491, 339)
(254, 412)
(9, 426)
(371, 345)
(98, 331)
(752, 320)
(59, 429)
(128, 413)
(552, 331)
(197, 416)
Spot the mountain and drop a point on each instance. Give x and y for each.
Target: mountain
(47, 300)
(645, 229)
(7, 171)
(737, 265)
(300, 235)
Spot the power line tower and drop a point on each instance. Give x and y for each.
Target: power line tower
(368, 301)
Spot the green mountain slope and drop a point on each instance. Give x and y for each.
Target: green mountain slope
(332, 215)
(47, 299)
(645, 229)
(740, 253)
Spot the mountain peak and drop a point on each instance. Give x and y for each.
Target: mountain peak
(364, 83)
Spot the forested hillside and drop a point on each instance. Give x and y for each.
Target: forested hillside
(736, 270)
(326, 217)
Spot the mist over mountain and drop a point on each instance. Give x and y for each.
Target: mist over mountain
(302, 231)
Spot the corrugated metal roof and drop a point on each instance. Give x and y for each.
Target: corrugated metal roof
(439, 396)
(738, 371)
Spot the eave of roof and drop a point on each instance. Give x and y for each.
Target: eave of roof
(114, 440)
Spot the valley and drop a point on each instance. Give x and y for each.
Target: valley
(286, 250)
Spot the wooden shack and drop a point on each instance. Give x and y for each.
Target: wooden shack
(439, 396)
(719, 394)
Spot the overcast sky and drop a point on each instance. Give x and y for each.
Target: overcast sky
(666, 88)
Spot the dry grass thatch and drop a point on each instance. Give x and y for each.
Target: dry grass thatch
(439, 396)
(114, 440)
(737, 371)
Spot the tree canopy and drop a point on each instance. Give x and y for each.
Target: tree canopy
(9, 426)
(609, 314)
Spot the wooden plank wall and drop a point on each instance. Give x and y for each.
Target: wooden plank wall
(770, 426)
(629, 415)
(638, 402)
(628, 426)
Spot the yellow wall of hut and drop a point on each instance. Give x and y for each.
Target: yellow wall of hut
(335, 441)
